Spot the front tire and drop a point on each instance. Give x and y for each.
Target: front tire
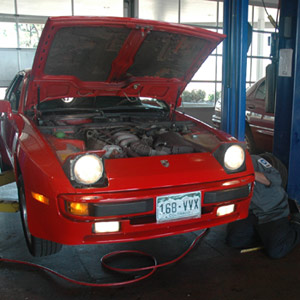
(36, 246)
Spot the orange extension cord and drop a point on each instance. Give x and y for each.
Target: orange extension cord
(104, 263)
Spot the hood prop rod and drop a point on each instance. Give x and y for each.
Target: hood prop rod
(176, 103)
(36, 109)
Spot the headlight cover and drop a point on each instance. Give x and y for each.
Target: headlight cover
(87, 169)
(231, 157)
(234, 157)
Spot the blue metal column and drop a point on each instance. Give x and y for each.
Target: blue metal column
(294, 164)
(284, 91)
(287, 115)
(234, 67)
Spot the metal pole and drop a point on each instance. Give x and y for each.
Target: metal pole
(234, 67)
(294, 157)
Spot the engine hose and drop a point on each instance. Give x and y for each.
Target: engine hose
(104, 263)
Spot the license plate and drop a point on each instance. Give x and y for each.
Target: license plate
(178, 206)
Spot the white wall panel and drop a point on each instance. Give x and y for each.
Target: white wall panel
(98, 8)
(8, 65)
(7, 6)
(26, 58)
(45, 8)
(12, 61)
(166, 10)
(199, 11)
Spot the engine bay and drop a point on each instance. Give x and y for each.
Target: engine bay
(124, 139)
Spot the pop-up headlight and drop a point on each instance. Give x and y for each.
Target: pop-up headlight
(87, 169)
(234, 157)
(231, 157)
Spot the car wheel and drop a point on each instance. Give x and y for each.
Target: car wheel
(249, 140)
(36, 246)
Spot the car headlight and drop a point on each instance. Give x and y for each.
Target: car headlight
(234, 157)
(87, 169)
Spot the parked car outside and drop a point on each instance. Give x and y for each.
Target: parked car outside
(259, 130)
(99, 151)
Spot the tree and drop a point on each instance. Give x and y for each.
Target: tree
(30, 34)
(214, 97)
(195, 96)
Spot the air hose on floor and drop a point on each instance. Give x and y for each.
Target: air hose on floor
(104, 262)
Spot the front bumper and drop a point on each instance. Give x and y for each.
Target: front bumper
(136, 213)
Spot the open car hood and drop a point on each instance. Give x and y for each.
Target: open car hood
(92, 56)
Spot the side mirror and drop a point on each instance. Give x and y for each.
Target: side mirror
(5, 108)
(270, 88)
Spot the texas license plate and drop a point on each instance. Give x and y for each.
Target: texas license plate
(178, 206)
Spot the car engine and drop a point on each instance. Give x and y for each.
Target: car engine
(132, 139)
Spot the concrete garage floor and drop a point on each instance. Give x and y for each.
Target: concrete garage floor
(210, 271)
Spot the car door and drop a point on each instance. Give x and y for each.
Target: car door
(261, 123)
(8, 127)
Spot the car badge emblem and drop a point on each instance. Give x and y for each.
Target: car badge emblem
(165, 163)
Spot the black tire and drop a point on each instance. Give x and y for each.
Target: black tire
(249, 140)
(278, 165)
(36, 246)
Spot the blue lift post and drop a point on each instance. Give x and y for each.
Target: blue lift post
(287, 112)
(234, 67)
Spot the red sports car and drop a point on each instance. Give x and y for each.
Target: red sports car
(100, 153)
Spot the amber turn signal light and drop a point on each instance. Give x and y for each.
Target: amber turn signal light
(39, 197)
(78, 209)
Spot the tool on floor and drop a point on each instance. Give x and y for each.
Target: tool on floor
(251, 249)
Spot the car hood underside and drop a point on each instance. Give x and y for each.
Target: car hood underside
(90, 56)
